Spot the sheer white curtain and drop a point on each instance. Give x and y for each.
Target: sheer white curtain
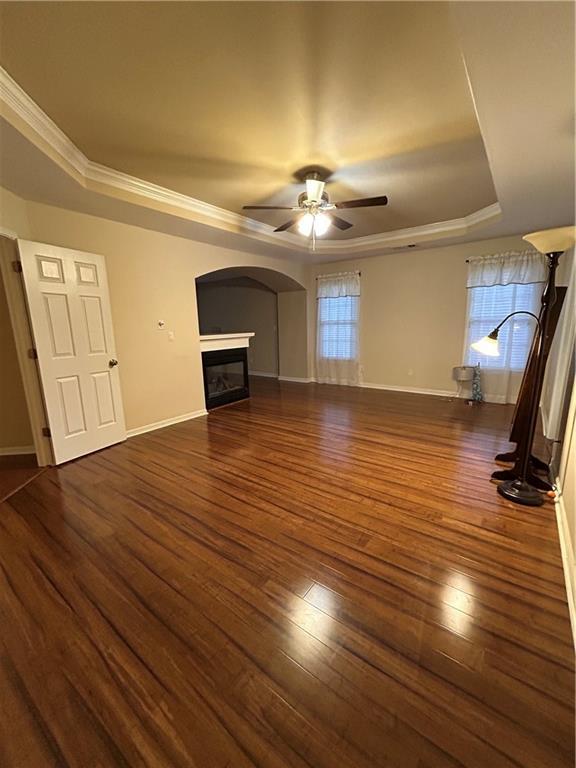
(499, 284)
(338, 307)
(519, 267)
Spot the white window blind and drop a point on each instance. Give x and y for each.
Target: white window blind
(338, 327)
(488, 306)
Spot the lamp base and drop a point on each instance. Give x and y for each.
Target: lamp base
(509, 458)
(536, 482)
(520, 492)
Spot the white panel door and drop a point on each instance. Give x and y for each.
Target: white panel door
(69, 305)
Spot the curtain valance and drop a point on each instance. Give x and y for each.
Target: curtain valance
(521, 267)
(338, 285)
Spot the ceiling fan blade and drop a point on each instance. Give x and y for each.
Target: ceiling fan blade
(365, 202)
(267, 207)
(340, 223)
(286, 225)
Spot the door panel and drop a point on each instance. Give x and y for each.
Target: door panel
(104, 398)
(69, 306)
(59, 325)
(86, 274)
(72, 405)
(94, 324)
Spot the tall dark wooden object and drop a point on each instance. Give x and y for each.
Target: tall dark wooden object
(520, 420)
(520, 483)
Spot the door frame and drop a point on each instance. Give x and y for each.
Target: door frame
(18, 311)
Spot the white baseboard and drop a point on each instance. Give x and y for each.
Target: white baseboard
(435, 392)
(388, 387)
(263, 373)
(412, 390)
(568, 562)
(166, 423)
(17, 450)
(296, 379)
(500, 399)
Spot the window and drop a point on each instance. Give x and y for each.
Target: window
(337, 333)
(488, 306)
(338, 327)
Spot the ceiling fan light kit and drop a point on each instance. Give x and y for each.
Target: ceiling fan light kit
(314, 190)
(317, 223)
(314, 207)
(305, 224)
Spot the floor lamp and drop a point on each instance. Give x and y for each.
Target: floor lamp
(552, 243)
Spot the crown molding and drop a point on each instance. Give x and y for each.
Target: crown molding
(20, 110)
(424, 233)
(23, 113)
(17, 100)
(103, 176)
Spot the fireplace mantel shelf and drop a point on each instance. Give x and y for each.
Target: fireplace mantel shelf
(225, 341)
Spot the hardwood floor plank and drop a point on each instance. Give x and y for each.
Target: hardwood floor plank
(16, 472)
(317, 577)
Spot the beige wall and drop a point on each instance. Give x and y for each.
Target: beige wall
(567, 507)
(413, 312)
(559, 394)
(236, 308)
(15, 431)
(13, 215)
(292, 332)
(152, 277)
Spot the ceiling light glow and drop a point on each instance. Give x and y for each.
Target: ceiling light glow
(305, 224)
(321, 224)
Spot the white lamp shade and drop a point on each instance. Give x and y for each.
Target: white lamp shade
(552, 240)
(314, 190)
(487, 346)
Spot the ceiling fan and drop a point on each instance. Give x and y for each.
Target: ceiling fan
(315, 217)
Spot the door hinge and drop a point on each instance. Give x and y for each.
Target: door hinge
(17, 266)
(46, 432)
(32, 354)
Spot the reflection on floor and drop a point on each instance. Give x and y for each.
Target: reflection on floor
(16, 471)
(320, 577)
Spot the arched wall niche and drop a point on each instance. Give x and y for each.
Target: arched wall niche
(277, 314)
(273, 279)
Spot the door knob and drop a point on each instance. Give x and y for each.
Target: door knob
(112, 363)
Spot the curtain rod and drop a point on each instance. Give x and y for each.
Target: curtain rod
(337, 274)
(505, 253)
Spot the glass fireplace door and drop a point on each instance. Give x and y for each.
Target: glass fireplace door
(225, 376)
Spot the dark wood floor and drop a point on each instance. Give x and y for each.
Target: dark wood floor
(15, 472)
(321, 577)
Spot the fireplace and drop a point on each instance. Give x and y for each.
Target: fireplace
(225, 376)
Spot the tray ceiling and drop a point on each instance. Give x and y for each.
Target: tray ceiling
(224, 101)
